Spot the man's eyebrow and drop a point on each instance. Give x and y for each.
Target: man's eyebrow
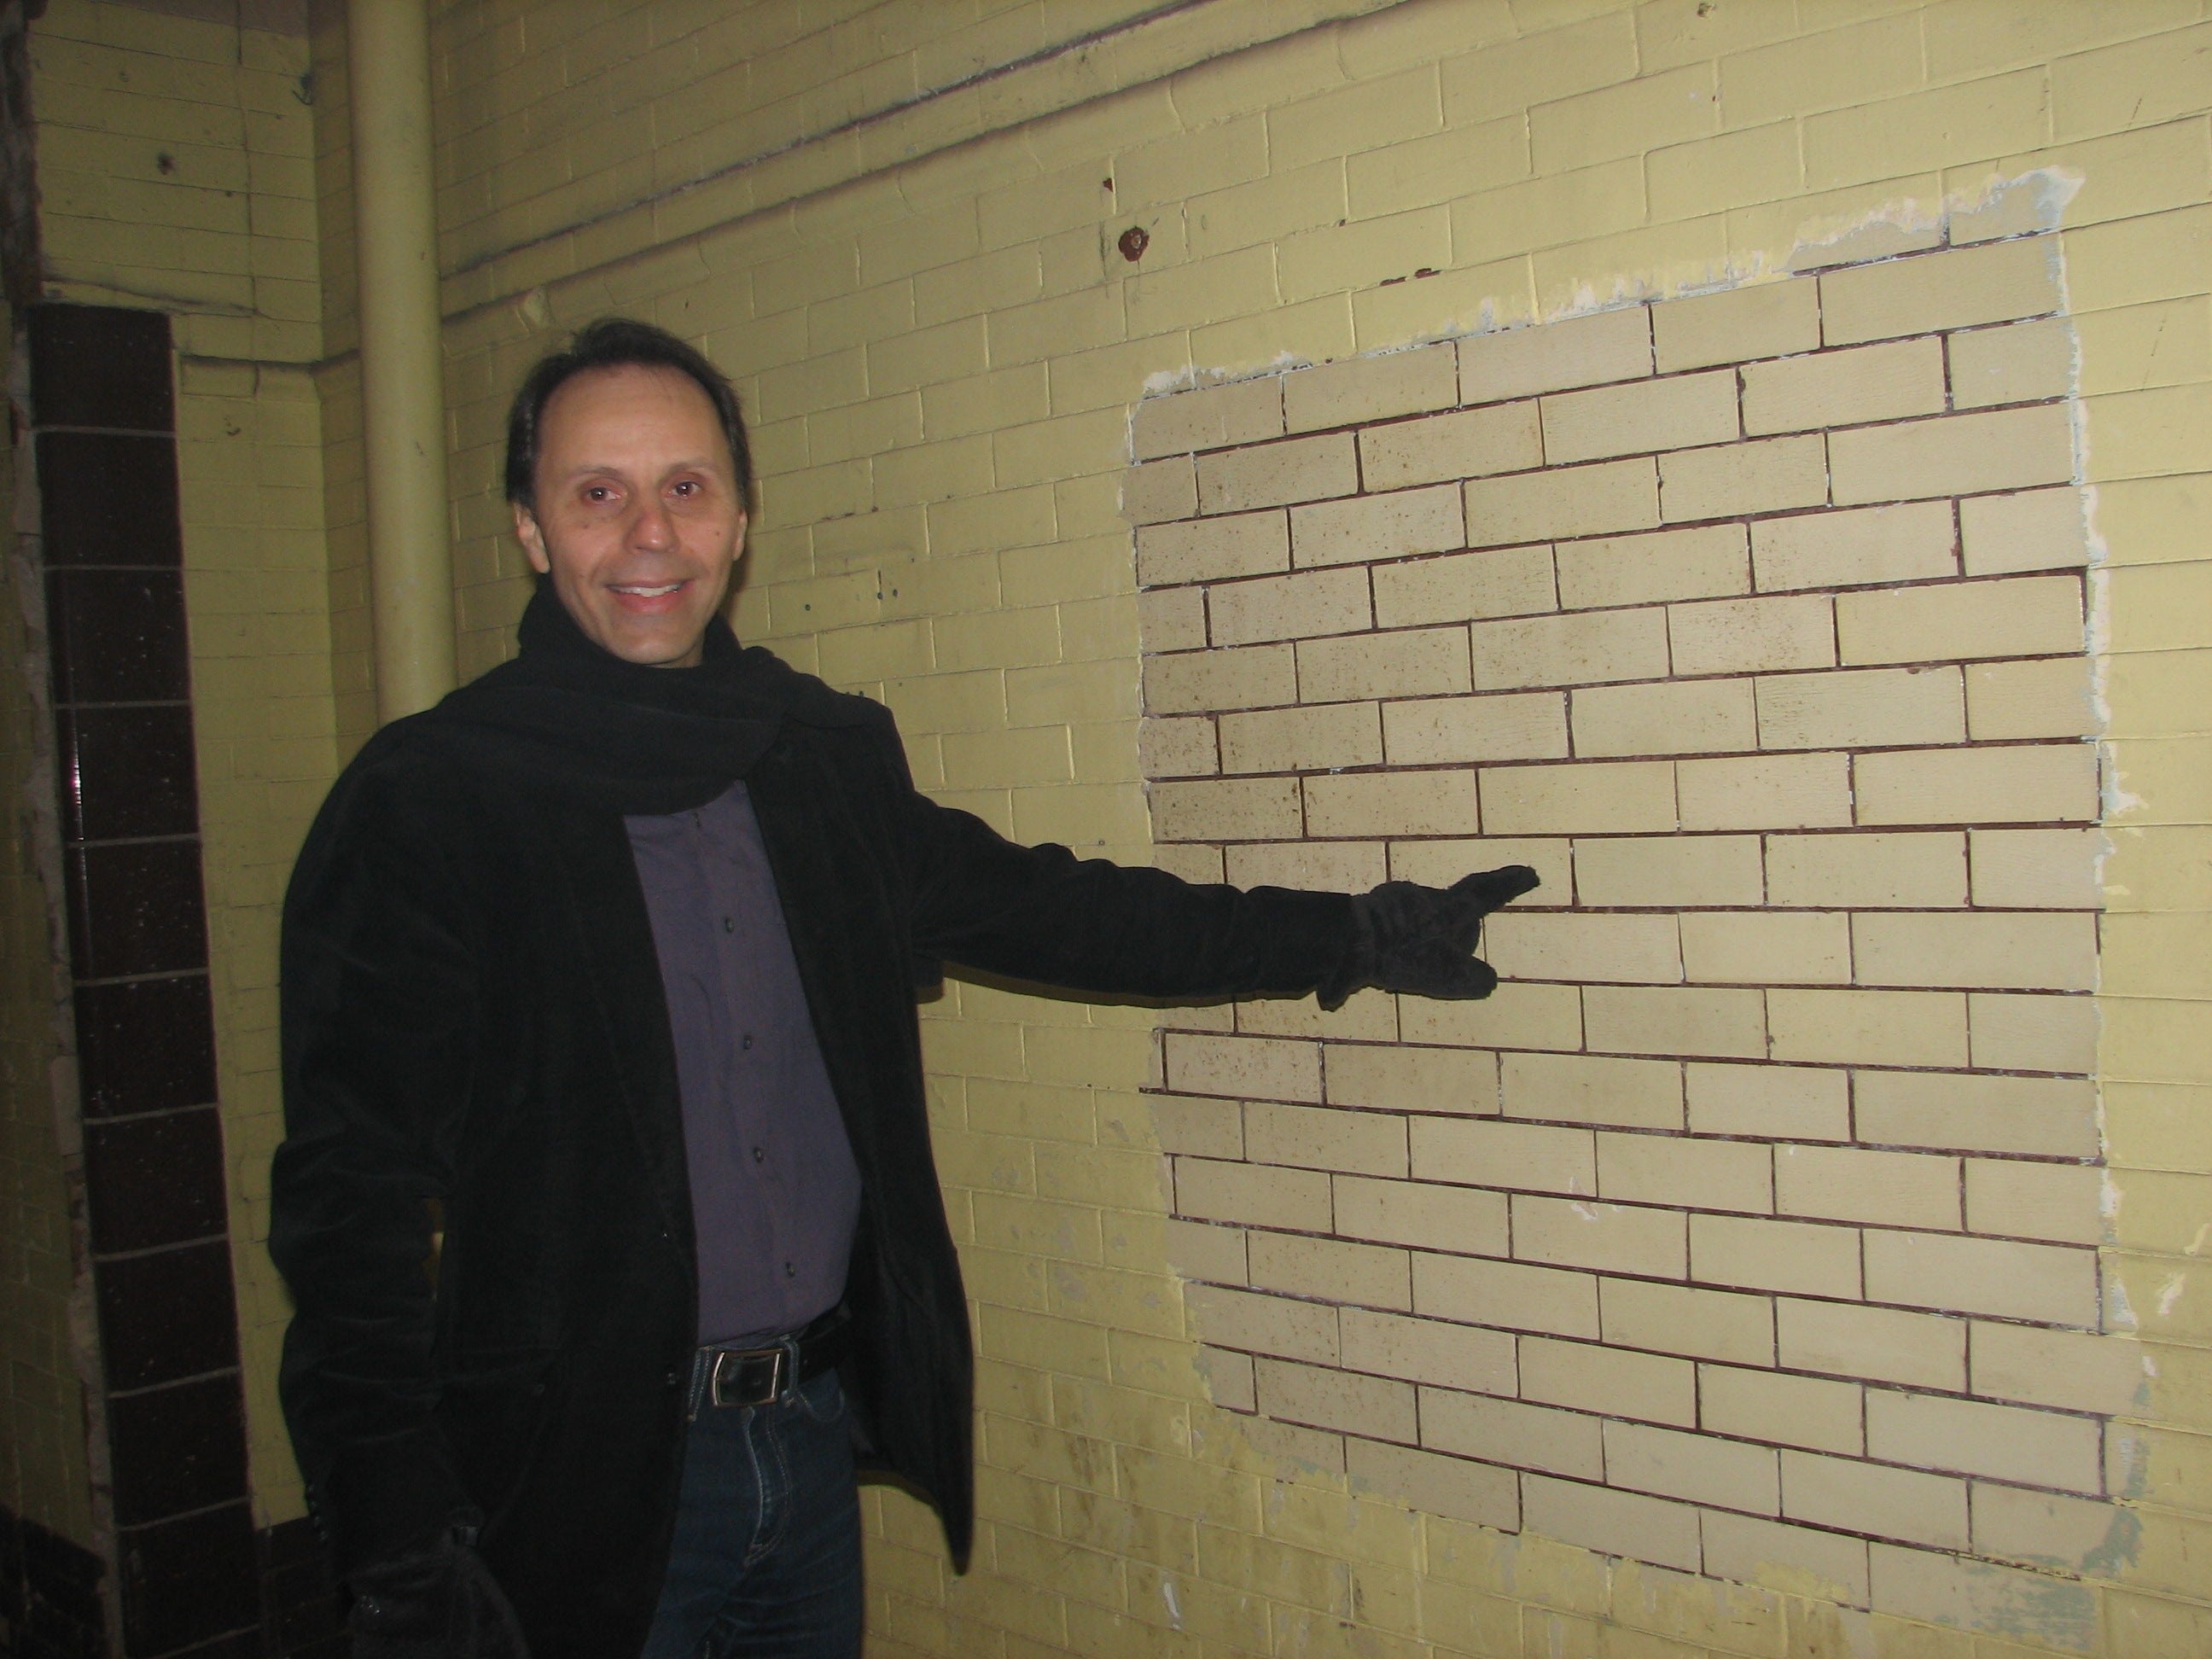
(583, 468)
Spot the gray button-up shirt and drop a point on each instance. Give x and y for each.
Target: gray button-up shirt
(774, 1191)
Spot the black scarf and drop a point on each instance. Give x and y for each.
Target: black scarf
(570, 716)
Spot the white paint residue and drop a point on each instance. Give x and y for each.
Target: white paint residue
(2170, 1292)
(1167, 1595)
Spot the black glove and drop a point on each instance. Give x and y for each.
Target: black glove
(1421, 940)
(441, 1603)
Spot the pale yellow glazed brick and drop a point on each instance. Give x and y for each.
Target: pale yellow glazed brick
(1470, 444)
(1810, 1412)
(2051, 1117)
(1884, 1189)
(1613, 1523)
(2031, 529)
(1423, 1215)
(1879, 869)
(1626, 119)
(1689, 718)
(2054, 698)
(1650, 1387)
(1782, 792)
(2032, 1033)
(1588, 501)
(1609, 1238)
(1530, 1157)
(1450, 1486)
(1160, 490)
(1958, 289)
(1511, 1295)
(2026, 784)
(1953, 455)
(1392, 804)
(1706, 1174)
(1314, 1138)
(2022, 362)
(2013, 952)
(1430, 662)
(1865, 709)
(1750, 636)
(1792, 1560)
(1371, 389)
(1440, 731)
(2046, 1283)
(1368, 528)
(1243, 1066)
(1782, 947)
(1505, 581)
(1253, 1195)
(1240, 809)
(1846, 1340)
(1767, 319)
(1340, 867)
(2036, 868)
(1711, 175)
(1580, 649)
(1369, 1017)
(1428, 1351)
(1893, 1028)
(1705, 563)
(1885, 382)
(1634, 1093)
(1760, 474)
(1512, 1016)
(1300, 739)
(1203, 1128)
(1693, 1467)
(1644, 415)
(2043, 1529)
(1973, 1437)
(1863, 547)
(1199, 1251)
(1206, 680)
(1675, 1319)
(1675, 1020)
(1331, 1399)
(1419, 171)
(2071, 1371)
(1271, 475)
(1251, 545)
(1212, 418)
(1394, 1078)
(1870, 1497)
(2019, 617)
(1367, 1275)
(2059, 1202)
(1788, 1256)
(1511, 1432)
(1289, 607)
(1172, 619)
(1612, 345)
(1582, 945)
(1668, 870)
(1440, 863)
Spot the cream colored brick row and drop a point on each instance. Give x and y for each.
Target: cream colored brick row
(1274, 475)
(1263, 608)
(1464, 586)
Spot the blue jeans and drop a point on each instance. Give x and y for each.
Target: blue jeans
(766, 1560)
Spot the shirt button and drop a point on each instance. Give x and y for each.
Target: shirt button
(759, 1156)
(790, 1271)
(746, 1041)
(729, 924)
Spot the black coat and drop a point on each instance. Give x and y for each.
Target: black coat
(473, 1014)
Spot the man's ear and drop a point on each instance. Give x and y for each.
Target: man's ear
(533, 539)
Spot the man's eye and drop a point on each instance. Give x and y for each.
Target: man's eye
(598, 493)
(685, 487)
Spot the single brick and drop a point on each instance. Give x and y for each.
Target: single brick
(1612, 345)
(1343, 867)
(2022, 362)
(1171, 619)
(2060, 1203)
(1160, 490)
(2036, 869)
(1650, 1387)
(1774, 1255)
(1704, 1174)
(1470, 444)
(1869, 1498)
(1428, 1351)
(1242, 809)
(1780, 791)
(1675, 1020)
(1507, 1431)
(2020, 952)
(1641, 416)
(1361, 1275)
(1429, 663)
(1454, 1219)
(1440, 863)
(1203, 681)
(1613, 1523)
(2055, 698)
(1309, 739)
(1801, 1102)
(1509, 1295)
(1847, 1339)
(1608, 1238)
(1884, 1027)
(1580, 946)
(2022, 617)
(1449, 1486)
(1264, 1324)
(1578, 649)
(1322, 1138)
(1198, 1250)
(2074, 1371)
(1401, 1079)
(1861, 547)
(1760, 475)
(1845, 388)
(1512, 1016)
(1796, 1560)
(1878, 869)
(2028, 784)
(1883, 1190)
(2033, 530)
(1242, 1068)
(1781, 947)
(2050, 1117)
(2032, 1033)
(1952, 455)
(1972, 1437)
(1251, 545)
(1203, 1128)
(1704, 562)
(1675, 1319)
(1371, 389)
(1768, 319)
(1863, 710)
(1247, 411)
(1695, 1467)
(1333, 1399)
(1753, 636)
(1793, 1410)
(1481, 1152)
(2046, 1283)
(1180, 748)
(1506, 581)
(1392, 804)
(1634, 1094)
(1598, 499)
(2075, 1534)
(1688, 718)
(1956, 288)
(1289, 607)
(1395, 526)
(1271, 475)
(1666, 871)
(1249, 1195)
(1441, 731)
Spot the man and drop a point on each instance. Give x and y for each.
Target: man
(612, 957)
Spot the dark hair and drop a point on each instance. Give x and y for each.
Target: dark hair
(615, 342)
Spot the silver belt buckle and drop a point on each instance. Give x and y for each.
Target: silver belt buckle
(748, 1376)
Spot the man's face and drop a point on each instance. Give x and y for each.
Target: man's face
(638, 519)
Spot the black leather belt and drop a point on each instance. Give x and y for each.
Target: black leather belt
(761, 1375)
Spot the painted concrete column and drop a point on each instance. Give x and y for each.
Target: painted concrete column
(403, 388)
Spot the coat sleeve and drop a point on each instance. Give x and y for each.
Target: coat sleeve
(1040, 914)
(379, 1003)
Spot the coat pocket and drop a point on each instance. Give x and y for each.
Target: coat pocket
(496, 1412)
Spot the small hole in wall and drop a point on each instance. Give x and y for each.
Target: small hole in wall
(164, 162)
(1133, 243)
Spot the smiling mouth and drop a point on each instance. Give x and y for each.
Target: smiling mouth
(640, 590)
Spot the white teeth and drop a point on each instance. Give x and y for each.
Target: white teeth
(651, 592)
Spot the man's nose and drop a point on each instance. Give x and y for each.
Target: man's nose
(651, 526)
